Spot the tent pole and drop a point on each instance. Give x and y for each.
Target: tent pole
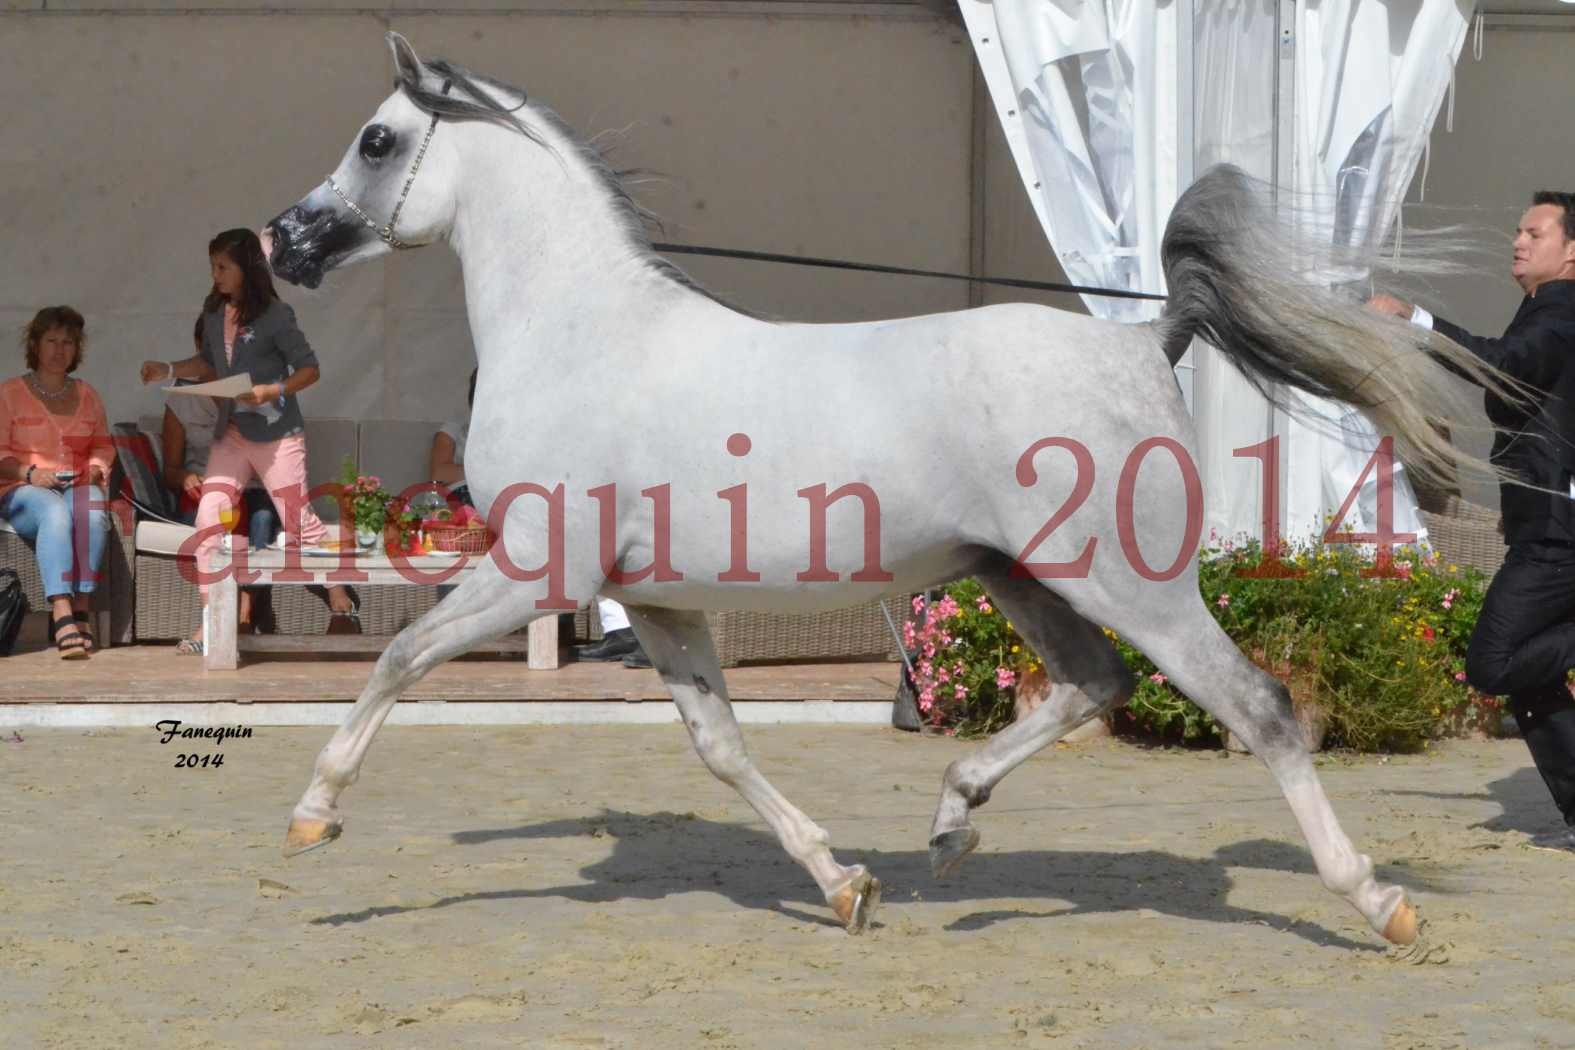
(1284, 177)
(1186, 150)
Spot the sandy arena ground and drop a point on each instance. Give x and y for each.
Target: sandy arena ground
(594, 887)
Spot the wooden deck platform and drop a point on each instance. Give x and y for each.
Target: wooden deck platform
(127, 685)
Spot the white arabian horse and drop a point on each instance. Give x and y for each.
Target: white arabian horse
(731, 444)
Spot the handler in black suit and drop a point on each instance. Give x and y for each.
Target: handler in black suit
(1524, 642)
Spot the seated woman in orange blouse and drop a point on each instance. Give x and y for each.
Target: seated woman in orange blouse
(55, 457)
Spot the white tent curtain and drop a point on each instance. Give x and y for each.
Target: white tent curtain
(1235, 51)
(1086, 94)
(1371, 76)
(1090, 98)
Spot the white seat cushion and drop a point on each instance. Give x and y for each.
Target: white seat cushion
(158, 537)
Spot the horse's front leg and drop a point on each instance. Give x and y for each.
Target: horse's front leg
(679, 645)
(486, 605)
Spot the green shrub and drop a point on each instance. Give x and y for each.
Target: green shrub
(1383, 656)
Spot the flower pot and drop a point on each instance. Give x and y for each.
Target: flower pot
(365, 538)
(1311, 718)
(1033, 689)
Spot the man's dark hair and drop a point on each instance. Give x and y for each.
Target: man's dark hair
(1559, 200)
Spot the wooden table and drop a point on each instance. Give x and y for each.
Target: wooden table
(222, 649)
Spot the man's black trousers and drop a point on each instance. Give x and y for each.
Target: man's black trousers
(1523, 646)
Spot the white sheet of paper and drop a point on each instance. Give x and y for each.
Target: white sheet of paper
(229, 386)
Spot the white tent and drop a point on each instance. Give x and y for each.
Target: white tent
(1110, 106)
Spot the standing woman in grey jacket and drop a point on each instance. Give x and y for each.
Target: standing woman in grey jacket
(248, 329)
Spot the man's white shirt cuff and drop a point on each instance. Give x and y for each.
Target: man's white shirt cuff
(1421, 318)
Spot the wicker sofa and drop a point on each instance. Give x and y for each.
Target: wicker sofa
(859, 632)
(167, 607)
(1466, 533)
(112, 597)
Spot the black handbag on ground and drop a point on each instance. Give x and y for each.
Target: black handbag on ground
(13, 606)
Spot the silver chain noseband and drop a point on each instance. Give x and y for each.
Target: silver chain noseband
(386, 233)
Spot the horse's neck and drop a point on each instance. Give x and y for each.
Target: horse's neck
(544, 251)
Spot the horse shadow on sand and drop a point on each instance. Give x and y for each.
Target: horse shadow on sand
(655, 855)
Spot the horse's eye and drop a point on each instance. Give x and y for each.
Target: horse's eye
(377, 141)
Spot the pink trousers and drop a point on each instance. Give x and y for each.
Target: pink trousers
(233, 462)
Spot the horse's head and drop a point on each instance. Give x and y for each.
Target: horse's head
(394, 188)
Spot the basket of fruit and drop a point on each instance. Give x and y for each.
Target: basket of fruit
(461, 531)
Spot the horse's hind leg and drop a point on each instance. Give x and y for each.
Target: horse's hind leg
(1186, 644)
(1087, 676)
(486, 605)
(680, 646)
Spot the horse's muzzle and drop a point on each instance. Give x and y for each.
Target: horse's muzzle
(306, 242)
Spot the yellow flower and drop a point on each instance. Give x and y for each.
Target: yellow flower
(1454, 568)
(1016, 648)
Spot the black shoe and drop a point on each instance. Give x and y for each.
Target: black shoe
(1561, 841)
(345, 622)
(615, 645)
(637, 659)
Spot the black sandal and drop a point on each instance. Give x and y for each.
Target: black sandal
(71, 646)
(84, 628)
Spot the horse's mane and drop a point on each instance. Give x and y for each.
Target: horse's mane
(483, 105)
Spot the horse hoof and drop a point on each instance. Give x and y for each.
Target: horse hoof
(948, 849)
(855, 903)
(306, 835)
(1402, 925)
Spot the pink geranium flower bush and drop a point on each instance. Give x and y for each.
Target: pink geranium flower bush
(967, 660)
(364, 497)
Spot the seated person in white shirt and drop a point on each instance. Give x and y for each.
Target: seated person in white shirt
(446, 462)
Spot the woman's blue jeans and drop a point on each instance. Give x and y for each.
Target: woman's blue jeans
(67, 531)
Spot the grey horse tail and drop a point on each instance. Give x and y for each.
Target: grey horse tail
(1231, 264)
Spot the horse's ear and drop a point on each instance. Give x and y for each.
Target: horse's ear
(405, 61)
